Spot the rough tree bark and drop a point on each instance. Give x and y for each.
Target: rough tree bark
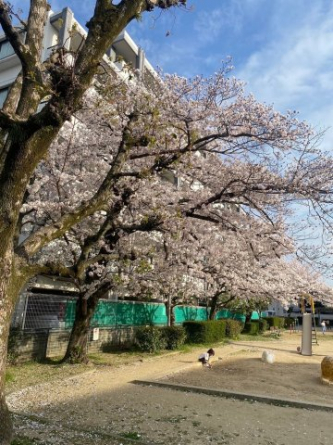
(77, 345)
(213, 307)
(248, 316)
(12, 280)
(78, 342)
(6, 308)
(169, 306)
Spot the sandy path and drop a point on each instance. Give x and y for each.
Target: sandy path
(105, 402)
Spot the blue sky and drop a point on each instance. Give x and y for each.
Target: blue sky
(282, 49)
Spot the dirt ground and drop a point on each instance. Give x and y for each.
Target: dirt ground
(292, 376)
(103, 406)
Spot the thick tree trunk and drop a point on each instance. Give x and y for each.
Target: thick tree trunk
(213, 307)
(170, 313)
(78, 341)
(5, 420)
(217, 304)
(248, 316)
(172, 316)
(7, 301)
(6, 428)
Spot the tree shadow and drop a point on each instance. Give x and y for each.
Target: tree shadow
(116, 407)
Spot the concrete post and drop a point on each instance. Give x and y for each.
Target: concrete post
(306, 348)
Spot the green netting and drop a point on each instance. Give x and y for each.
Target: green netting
(255, 316)
(120, 313)
(225, 313)
(111, 313)
(69, 313)
(190, 313)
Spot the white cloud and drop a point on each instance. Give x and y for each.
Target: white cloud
(295, 70)
(210, 24)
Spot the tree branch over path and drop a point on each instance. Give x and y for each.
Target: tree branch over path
(100, 201)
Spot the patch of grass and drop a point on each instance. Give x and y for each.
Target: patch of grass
(185, 348)
(32, 373)
(254, 338)
(117, 359)
(9, 377)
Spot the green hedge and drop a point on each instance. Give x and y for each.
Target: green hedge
(251, 328)
(205, 331)
(174, 336)
(255, 327)
(263, 325)
(153, 338)
(276, 322)
(150, 339)
(289, 322)
(233, 328)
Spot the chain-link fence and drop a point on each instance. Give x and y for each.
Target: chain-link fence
(41, 311)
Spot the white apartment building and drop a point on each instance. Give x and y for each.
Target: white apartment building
(63, 30)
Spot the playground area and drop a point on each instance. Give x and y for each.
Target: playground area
(103, 406)
(291, 376)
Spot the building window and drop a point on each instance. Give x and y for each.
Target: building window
(6, 49)
(3, 95)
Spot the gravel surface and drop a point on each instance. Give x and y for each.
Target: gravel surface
(104, 407)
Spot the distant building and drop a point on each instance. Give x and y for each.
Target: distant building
(276, 309)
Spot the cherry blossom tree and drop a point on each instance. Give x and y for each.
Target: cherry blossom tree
(165, 268)
(97, 274)
(220, 267)
(68, 171)
(139, 139)
(251, 266)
